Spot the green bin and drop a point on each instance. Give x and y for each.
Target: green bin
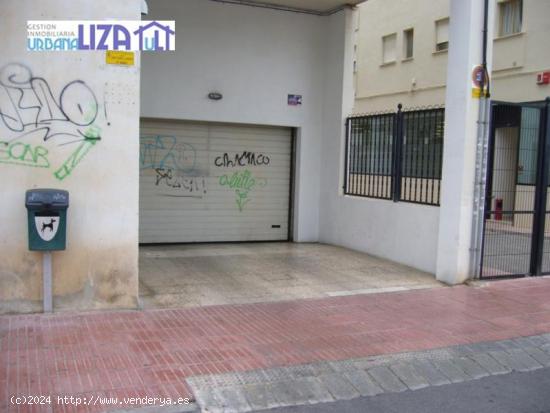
(47, 219)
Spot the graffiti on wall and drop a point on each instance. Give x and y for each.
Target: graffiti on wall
(166, 152)
(174, 164)
(244, 158)
(243, 183)
(188, 186)
(31, 116)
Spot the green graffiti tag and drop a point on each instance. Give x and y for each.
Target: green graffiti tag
(91, 136)
(20, 153)
(243, 182)
(74, 159)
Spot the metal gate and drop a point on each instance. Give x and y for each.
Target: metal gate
(516, 231)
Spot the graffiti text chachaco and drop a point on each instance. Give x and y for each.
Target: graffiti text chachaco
(242, 159)
(243, 182)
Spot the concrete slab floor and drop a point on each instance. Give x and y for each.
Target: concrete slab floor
(191, 275)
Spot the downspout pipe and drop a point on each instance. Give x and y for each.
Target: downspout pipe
(481, 154)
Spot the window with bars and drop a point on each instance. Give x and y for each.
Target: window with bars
(395, 156)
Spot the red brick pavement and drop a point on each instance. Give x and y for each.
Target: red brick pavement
(133, 353)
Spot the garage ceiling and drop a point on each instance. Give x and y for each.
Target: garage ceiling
(312, 6)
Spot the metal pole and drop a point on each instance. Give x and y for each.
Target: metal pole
(47, 280)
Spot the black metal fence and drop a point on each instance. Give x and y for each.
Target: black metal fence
(395, 156)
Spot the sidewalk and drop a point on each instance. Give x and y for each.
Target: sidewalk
(150, 353)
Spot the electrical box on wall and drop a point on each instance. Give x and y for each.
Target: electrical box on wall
(543, 78)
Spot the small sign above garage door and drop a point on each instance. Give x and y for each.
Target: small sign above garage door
(210, 182)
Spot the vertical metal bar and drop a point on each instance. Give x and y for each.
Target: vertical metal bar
(425, 129)
(433, 146)
(440, 171)
(47, 281)
(398, 142)
(346, 153)
(541, 191)
(418, 153)
(387, 156)
(353, 148)
(488, 186)
(366, 153)
(375, 124)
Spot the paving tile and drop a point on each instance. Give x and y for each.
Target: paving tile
(539, 355)
(232, 399)
(528, 362)
(386, 379)
(339, 387)
(517, 361)
(430, 373)
(363, 383)
(260, 396)
(314, 390)
(409, 375)
(454, 373)
(490, 363)
(286, 394)
(470, 367)
(206, 399)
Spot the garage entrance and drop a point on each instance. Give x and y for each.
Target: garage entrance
(208, 194)
(203, 182)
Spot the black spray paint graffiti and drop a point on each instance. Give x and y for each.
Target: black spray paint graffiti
(187, 186)
(28, 106)
(29, 110)
(242, 159)
(243, 182)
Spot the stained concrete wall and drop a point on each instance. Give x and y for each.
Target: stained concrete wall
(99, 267)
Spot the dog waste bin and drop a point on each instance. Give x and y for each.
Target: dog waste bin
(47, 218)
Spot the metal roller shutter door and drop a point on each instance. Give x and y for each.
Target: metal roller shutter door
(209, 182)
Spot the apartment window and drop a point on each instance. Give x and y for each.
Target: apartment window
(408, 43)
(388, 48)
(511, 16)
(442, 35)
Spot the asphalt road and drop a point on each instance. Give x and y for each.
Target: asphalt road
(510, 393)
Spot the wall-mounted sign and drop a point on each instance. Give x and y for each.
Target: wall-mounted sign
(479, 77)
(294, 100)
(113, 57)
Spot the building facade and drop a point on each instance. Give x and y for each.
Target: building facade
(402, 53)
(237, 135)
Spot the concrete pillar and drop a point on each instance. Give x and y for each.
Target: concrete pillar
(461, 130)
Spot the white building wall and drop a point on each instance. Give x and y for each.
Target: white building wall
(255, 57)
(269, 55)
(403, 232)
(99, 267)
